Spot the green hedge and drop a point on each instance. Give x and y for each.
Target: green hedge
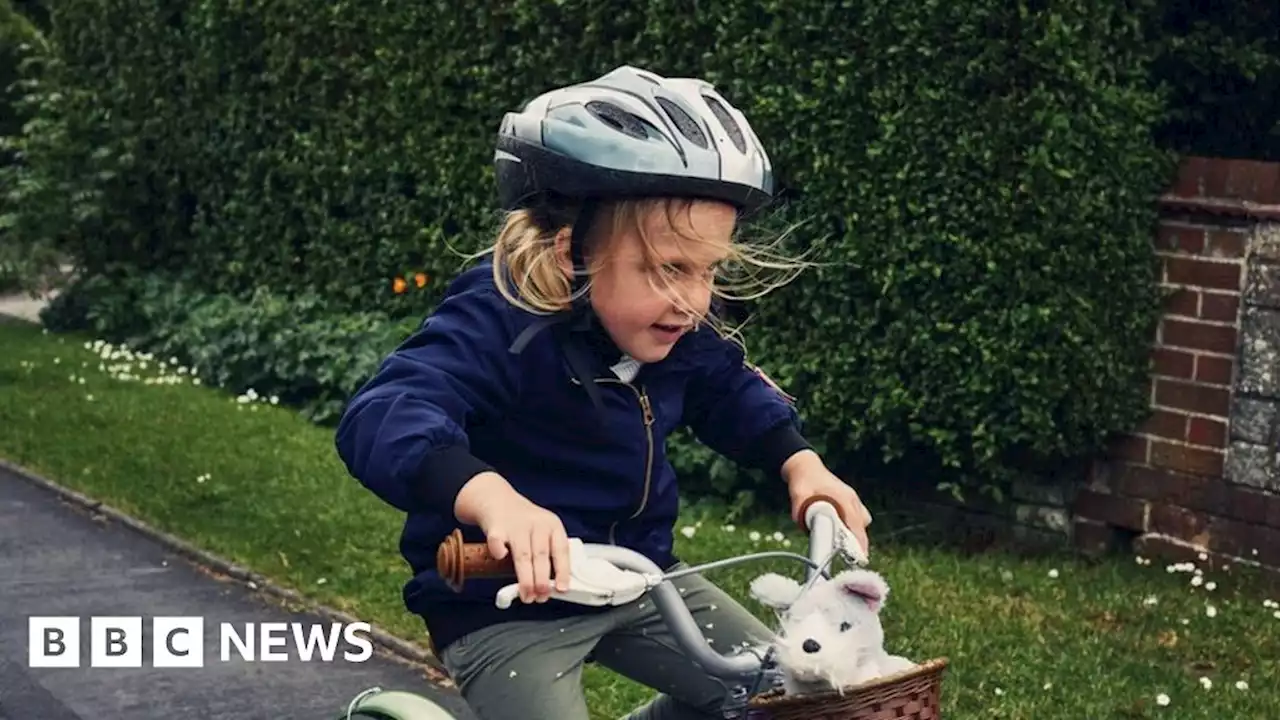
(293, 348)
(19, 40)
(979, 178)
(21, 47)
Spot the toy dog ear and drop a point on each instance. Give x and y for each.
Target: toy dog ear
(864, 585)
(776, 591)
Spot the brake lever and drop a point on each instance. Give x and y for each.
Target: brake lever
(592, 581)
(848, 545)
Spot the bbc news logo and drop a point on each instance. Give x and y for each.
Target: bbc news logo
(179, 642)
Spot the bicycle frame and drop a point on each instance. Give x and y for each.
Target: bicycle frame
(746, 672)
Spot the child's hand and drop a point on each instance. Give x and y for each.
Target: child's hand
(534, 535)
(806, 476)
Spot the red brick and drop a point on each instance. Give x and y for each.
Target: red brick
(1182, 301)
(1173, 363)
(1213, 177)
(1128, 447)
(1250, 506)
(1273, 512)
(1196, 492)
(1215, 370)
(1203, 273)
(1188, 184)
(1250, 180)
(1267, 541)
(1178, 522)
(1138, 481)
(1210, 433)
(1202, 399)
(1232, 538)
(1183, 458)
(1269, 190)
(1222, 307)
(1094, 538)
(1226, 244)
(1198, 335)
(1128, 513)
(1180, 238)
(1099, 475)
(1238, 538)
(1165, 424)
(1154, 546)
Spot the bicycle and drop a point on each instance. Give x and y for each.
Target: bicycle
(610, 575)
(378, 704)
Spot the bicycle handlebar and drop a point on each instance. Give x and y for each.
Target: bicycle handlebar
(457, 561)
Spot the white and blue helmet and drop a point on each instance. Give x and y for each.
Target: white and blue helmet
(631, 133)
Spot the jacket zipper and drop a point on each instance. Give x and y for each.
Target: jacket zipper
(647, 409)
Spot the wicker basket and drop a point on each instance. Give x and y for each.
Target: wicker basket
(914, 694)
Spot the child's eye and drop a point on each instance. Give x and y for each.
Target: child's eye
(844, 627)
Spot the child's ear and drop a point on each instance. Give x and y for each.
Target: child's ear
(776, 591)
(561, 243)
(865, 586)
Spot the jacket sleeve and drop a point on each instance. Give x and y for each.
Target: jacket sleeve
(733, 409)
(403, 435)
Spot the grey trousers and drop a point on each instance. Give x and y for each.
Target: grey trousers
(533, 670)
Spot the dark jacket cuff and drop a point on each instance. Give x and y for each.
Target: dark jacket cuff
(776, 446)
(442, 474)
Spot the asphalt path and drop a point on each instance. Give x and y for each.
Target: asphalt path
(60, 560)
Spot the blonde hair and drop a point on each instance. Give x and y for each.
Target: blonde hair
(528, 273)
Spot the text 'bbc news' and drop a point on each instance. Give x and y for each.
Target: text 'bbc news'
(179, 642)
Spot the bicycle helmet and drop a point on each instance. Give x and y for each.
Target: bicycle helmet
(631, 133)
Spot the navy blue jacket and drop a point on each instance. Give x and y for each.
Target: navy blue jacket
(454, 400)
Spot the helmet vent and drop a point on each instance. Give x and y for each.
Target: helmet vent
(618, 119)
(687, 126)
(731, 127)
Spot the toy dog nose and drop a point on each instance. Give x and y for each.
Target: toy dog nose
(811, 646)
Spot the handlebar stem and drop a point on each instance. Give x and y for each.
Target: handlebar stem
(822, 533)
(821, 519)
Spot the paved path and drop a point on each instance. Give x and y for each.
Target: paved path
(55, 559)
(24, 306)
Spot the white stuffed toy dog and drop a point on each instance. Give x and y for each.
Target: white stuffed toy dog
(830, 636)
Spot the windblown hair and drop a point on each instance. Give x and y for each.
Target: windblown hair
(527, 268)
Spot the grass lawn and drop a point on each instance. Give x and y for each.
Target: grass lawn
(1049, 637)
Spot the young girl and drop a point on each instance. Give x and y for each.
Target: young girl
(534, 403)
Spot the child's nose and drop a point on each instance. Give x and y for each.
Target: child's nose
(811, 646)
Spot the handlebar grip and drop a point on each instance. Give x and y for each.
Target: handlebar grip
(804, 509)
(457, 560)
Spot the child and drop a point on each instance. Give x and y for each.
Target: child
(534, 403)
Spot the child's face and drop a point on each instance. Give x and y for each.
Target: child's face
(651, 289)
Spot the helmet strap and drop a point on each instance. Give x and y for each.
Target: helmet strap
(577, 243)
(579, 331)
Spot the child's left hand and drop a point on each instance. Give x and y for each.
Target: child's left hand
(806, 475)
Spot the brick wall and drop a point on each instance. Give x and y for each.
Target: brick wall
(1201, 474)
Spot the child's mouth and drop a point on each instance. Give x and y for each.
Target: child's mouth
(669, 331)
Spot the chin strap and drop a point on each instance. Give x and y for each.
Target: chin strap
(578, 327)
(577, 243)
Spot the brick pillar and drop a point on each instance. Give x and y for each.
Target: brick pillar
(1194, 355)
(1202, 473)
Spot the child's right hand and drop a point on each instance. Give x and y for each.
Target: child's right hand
(533, 535)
